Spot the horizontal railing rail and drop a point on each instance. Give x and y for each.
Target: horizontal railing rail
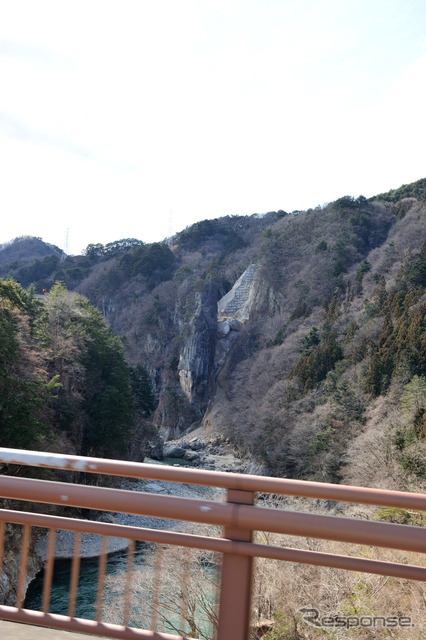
(239, 516)
(212, 543)
(224, 480)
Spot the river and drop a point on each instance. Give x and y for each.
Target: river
(198, 568)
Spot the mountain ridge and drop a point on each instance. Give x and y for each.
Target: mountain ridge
(325, 285)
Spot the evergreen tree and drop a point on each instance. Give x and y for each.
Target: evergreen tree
(108, 401)
(142, 391)
(24, 387)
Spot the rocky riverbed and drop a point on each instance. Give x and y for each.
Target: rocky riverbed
(215, 453)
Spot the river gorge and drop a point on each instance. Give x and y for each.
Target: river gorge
(174, 562)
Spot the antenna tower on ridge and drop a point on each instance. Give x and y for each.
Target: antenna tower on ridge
(170, 228)
(67, 236)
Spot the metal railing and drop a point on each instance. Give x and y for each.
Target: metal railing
(238, 515)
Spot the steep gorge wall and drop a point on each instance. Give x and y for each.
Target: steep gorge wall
(197, 355)
(208, 338)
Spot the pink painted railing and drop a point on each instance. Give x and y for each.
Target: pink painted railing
(238, 515)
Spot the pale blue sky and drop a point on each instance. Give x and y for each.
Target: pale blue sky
(134, 118)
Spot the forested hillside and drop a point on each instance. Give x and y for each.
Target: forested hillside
(333, 343)
(338, 347)
(64, 381)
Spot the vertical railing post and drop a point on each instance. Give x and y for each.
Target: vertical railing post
(236, 583)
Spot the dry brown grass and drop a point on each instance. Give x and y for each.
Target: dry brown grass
(288, 587)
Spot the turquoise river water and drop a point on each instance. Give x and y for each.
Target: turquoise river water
(115, 579)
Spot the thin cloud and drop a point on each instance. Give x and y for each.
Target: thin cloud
(34, 54)
(15, 129)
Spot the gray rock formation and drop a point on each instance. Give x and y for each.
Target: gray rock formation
(191, 456)
(9, 577)
(155, 448)
(196, 444)
(197, 356)
(223, 328)
(235, 325)
(173, 450)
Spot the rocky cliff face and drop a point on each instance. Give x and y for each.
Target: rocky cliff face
(211, 335)
(9, 576)
(197, 355)
(205, 326)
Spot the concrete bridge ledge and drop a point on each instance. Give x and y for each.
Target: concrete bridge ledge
(17, 631)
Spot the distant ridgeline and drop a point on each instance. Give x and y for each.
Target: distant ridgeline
(414, 190)
(26, 249)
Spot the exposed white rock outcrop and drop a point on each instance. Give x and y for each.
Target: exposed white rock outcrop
(237, 303)
(233, 310)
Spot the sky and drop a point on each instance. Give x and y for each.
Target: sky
(136, 118)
